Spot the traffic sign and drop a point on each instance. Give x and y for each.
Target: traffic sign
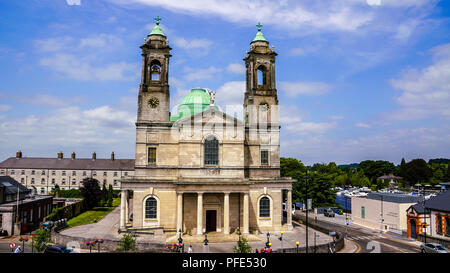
(12, 245)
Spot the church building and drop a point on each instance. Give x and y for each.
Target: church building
(201, 170)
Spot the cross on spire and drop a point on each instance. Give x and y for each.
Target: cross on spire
(259, 26)
(157, 19)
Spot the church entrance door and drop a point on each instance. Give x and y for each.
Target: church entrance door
(211, 220)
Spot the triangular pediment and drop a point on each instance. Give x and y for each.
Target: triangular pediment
(210, 116)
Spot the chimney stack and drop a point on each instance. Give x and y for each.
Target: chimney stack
(94, 156)
(19, 154)
(112, 156)
(60, 155)
(73, 155)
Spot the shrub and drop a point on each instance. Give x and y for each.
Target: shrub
(242, 246)
(41, 240)
(127, 243)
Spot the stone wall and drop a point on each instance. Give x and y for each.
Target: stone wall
(108, 245)
(444, 242)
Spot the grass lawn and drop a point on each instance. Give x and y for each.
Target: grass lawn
(89, 216)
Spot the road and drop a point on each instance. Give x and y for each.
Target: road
(369, 242)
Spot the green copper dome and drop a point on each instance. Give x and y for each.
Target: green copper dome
(194, 102)
(157, 29)
(259, 36)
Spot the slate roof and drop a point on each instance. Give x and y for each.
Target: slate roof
(441, 202)
(419, 208)
(68, 163)
(394, 197)
(11, 185)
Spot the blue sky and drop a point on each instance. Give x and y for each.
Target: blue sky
(357, 79)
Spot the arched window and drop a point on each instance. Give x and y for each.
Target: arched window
(261, 75)
(155, 70)
(150, 208)
(211, 151)
(264, 207)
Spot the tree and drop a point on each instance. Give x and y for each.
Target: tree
(242, 246)
(110, 196)
(104, 199)
(41, 240)
(401, 171)
(417, 171)
(374, 169)
(91, 192)
(127, 243)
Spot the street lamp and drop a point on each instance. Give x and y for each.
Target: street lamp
(23, 240)
(268, 242)
(424, 215)
(306, 180)
(281, 239)
(297, 244)
(180, 240)
(98, 242)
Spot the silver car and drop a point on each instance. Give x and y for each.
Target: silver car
(433, 248)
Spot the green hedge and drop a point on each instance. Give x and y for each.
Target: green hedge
(67, 212)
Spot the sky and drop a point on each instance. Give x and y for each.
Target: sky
(356, 79)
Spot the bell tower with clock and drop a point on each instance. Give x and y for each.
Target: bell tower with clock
(260, 100)
(154, 95)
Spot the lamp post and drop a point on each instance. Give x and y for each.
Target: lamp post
(306, 180)
(281, 239)
(23, 240)
(180, 240)
(205, 246)
(297, 244)
(346, 226)
(98, 242)
(268, 242)
(424, 215)
(32, 241)
(315, 236)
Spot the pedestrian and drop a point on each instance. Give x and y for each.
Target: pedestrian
(190, 249)
(18, 250)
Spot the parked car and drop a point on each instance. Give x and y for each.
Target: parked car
(328, 213)
(58, 249)
(433, 248)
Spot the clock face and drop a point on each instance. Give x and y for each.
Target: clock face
(153, 102)
(265, 106)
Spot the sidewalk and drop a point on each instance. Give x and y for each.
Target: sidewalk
(349, 247)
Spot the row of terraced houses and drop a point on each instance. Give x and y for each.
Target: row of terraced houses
(41, 175)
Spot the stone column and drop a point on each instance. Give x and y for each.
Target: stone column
(200, 213)
(289, 209)
(127, 213)
(246, 214)
(179, 211)
(122, 209)
(226, 213)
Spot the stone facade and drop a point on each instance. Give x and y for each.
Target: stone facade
(208, 171)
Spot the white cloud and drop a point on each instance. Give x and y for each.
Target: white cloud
(292, 89)
(291, 120)
(4, 107)
(236, 68)
(193, 74)
(203, 44)
(80, 68)
(396, 143)
(426, 91)
(362, 125)
(73, 2)
(103, 128)
(308, 15)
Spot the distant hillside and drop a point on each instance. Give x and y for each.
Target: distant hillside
(348, 166)
(439, 161)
